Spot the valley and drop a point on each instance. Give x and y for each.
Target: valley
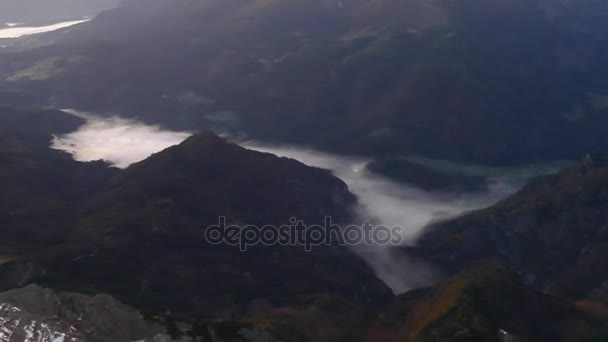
(123, 142)
(475, 127)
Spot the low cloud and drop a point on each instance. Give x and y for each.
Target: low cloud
(118, 141)
(388, 203)
(123, 142)
(16, 32)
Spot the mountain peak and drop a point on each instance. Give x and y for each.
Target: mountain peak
(205, 137)
(89, 228)
(205, 141)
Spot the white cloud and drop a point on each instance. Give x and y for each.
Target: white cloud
(16, 32)
(118, 141)
(382, 201)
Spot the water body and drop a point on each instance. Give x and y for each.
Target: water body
(16, 31)
(122, 142)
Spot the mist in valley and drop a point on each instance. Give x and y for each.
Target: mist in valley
(122, 142)
(47, 12)
(436, 115)
(14, 30)
(385, 202)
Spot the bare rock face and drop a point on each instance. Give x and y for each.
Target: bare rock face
(37, 314)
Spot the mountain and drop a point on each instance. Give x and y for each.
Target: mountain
(91, 252)
(39, 185)
(83, 229)
(37, 314)
(138, 234)
(488, 302)
(553, 232)
(36, 123)
(39, 12)
(474, 80)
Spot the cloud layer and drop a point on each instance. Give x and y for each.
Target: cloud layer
(118, 141)
(123, 142)
(16, 32)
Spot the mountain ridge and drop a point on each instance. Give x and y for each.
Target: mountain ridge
(501, 75)
(138, 234)
(552, 231)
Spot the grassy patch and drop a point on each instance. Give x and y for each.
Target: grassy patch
(43, 70)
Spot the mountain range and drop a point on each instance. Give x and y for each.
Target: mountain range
(137, 236)
(95, 253)
(552, 232)
(473, 80)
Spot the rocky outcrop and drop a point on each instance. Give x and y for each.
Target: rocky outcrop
(36, 314)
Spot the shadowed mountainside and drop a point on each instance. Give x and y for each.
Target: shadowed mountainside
(553, 232)
(488, 302)
(137, 234)
(476, 80)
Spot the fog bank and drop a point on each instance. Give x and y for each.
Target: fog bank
(14, 31)
(385, 202)
(122, 142)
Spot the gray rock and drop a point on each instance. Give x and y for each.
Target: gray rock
(37, 314)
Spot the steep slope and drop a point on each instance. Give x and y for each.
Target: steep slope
(39, 185)
(473, 80)
(205, 177)
(36, 123)
(139, 235)
(488, 302)
(553, 231)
